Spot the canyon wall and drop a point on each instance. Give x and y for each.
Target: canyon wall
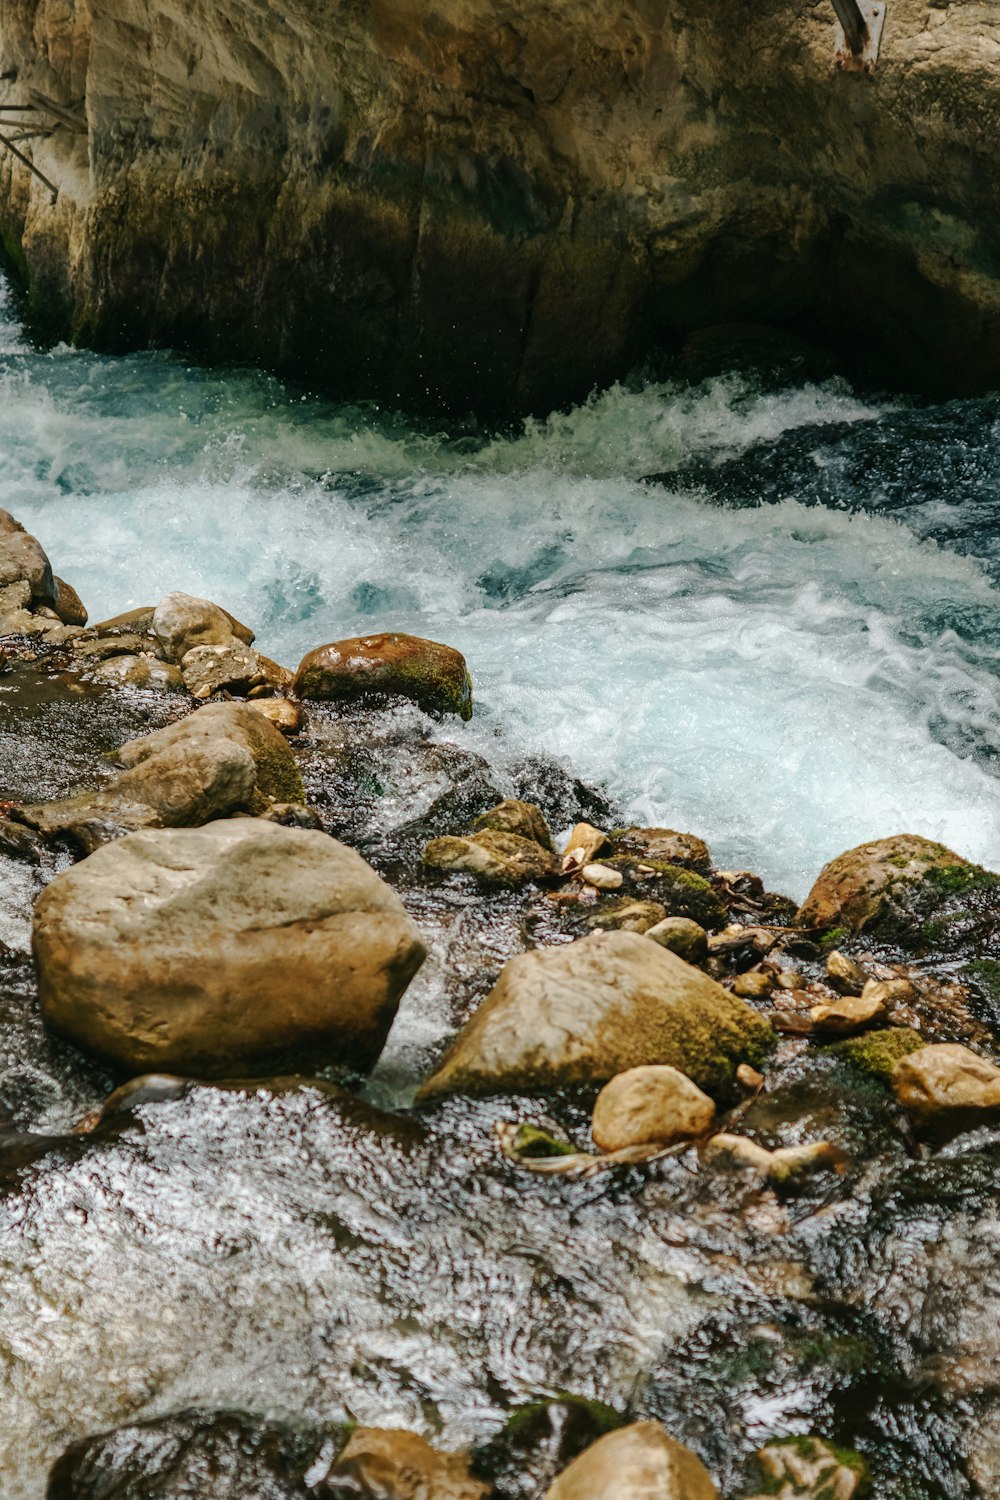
(499, 203)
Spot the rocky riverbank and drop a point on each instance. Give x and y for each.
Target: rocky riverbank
(680, 1147)
(491, 208)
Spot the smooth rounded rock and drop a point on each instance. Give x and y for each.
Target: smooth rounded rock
(947, 1087)
(181, 622)
(686, 938)
(222, 950)
(68, 605)
(23, 559)
(388, 665)
(639, 1462)
(653, 1103)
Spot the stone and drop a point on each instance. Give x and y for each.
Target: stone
(22, 560)
(888, 992)
(89, 647)
(947, 1088)
(736, 1153)
(848, 1015)
(539, 1439)
(602, 878)
(9, 523)
(68, 605)
(133, 621)
(638, 1462)
(665, 846)
(523, 818)
(584, 843)
(182, 621)
(225, 758)
(682, 936)
(15, 597)
(844, 974)
(806, 1468)
(755, 984)
(626, 915)
(791, 1165)
(904, 889)
(653, 1103)
(397, 1465)
(388, 665)
(584, 1011)
(498, 858)
(139, 672)
(251, 945)
(231, 667)
(283, 713)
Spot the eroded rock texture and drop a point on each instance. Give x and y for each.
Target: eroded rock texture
(500, 202)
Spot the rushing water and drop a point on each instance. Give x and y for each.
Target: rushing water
(807, 663)
(787, 644)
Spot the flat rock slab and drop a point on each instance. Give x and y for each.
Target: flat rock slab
(237, 947)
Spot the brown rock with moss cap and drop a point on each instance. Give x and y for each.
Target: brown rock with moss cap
(388, 665)
(639, 1462)
(582, 1012)
(224, 950)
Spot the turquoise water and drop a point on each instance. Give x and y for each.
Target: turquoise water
(786, 657)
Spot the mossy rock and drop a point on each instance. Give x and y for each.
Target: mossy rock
(876, 1053)
(388, 665)
(808, 1468)
(681, 892)
(664, 845)
(526, 819)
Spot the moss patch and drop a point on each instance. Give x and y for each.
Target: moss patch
(877, 1052)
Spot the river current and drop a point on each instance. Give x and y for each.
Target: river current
(788, 642)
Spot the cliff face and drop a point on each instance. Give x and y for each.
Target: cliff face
(501, 202)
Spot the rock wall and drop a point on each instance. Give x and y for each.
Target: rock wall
(498, 203)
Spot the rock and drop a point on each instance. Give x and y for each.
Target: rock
(139, 672)
(215, 1455)
(9, 523)
(888, 992)
(687, 939)
(947, 1088)
(683, 892)
(181, 622)
(133, 621)
(536, 1141)
(628, 916)
(736, 1153)
(584, 1011)
(639, 1462)
(665, 846)
(224, 758)
(844, 974)
(15, 597)
(877, 1052)
(68, 605)
(538, 1439)
(22, 560)
(852, 1013)
(602, 878)
(523, 818)
(396, 1465)
(904, 889)
(791, 1165)
(755, 984)
(748, 1078)
(498, 858)
(19, 842)
(231, 667)
(585, 842)
(252, 944)
(281, 712)
(89, 647)
(806, 1468)
(389, 665)
(653, 1103)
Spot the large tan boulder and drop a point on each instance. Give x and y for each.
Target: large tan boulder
(584, 1011)
(947, 1087)
(639, 1462)
(388, 665)
(182, 621)
(23, 560)
(225, 758)
(655, 1103)
(240, 947)
(381, 1461)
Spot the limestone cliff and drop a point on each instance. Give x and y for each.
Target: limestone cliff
(502, 202)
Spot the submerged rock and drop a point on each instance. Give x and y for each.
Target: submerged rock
(390, 665)
(523, 818)
(251, 944)
(653, 1103)
(582, 1012)
(498, 858)
(904, 889)
(806, 1468)
(947, 1088)
(382, 1462)
(852, 1013)
(225, 758)
(639, 1462)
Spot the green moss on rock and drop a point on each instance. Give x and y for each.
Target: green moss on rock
(877, 1052)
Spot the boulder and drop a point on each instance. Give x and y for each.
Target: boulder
(182, 621)
(389, 665)
(67, 604)
(682, 936)
(654, 1103)
(666, 846)
(584, 1011)
(806, 1468)
(140, 672)
(225, 758)
(386, 1462)
(230, 949)
(498, 858)
(947, 1088)
(22, 560)
(231, 667)
(639, 1462)
(904, 889)
(523, 818)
